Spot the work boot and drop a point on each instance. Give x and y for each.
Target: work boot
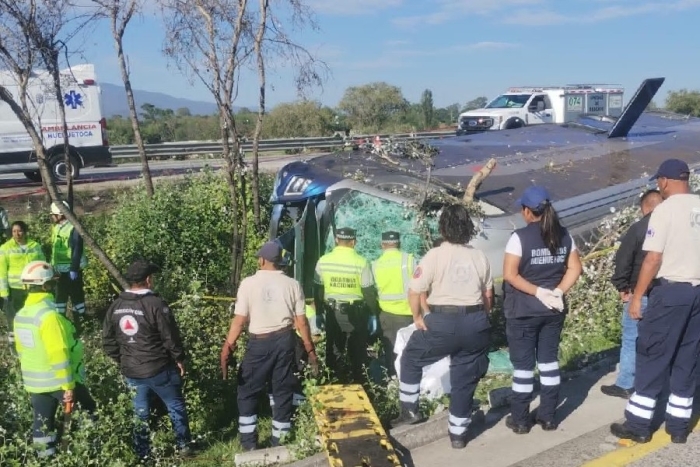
(678, 438)
(622, 432)
(521, 429)
(546, 426)
(406, 417)
(458, 443)
(616, 391)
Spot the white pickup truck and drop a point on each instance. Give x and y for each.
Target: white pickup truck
(533, 105)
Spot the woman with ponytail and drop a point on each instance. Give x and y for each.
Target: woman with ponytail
(540, 265)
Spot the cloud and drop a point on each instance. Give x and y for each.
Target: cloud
(352, 7)
(446, 10)
(622, 9)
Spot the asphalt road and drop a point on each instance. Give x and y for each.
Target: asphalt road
(583, 438)
(15, 184)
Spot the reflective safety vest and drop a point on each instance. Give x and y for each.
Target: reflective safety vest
(13, 258)
(61, 251)
(340, 273)
(311, 317)
(49, 355)
(392, 273)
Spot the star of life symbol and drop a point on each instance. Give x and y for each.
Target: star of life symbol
(129, 325)
(73, 99)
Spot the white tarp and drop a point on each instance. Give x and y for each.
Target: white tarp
(436, 377)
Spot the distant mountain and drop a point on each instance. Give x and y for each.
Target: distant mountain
(114, 101)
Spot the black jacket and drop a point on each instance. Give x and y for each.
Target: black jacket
(629, 257)
(140, 333)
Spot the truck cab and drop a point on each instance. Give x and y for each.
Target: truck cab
(524, 106)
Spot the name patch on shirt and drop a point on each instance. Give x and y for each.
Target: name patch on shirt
(544, 256)
(344, 282)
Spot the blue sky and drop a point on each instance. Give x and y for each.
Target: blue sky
(460, 49)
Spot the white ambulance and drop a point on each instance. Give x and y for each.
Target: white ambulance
(534, 105)
(87, 127)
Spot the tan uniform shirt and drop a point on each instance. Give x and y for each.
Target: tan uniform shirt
(674, 231)
(270, 300)
(454, 274)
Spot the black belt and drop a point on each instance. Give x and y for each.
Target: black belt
(663, 281)
(279, 332)
(456, 309)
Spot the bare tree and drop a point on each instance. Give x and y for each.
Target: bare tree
(24, 47)
(209, 40)
(120, 13)
(271, 42)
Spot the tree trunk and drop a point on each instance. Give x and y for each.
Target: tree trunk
(56, 75)
(255, 182)
(53, 190)
(477, 179)
(231, 179)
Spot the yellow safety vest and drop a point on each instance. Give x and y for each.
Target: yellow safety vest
(392, 272)
(310, 315)
(45, 370)
(13, 258)
(61, 252)
(340, 274)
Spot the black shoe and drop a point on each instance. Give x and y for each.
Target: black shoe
(622, 432)
(518, 429)
(616, 391)
(458, 443)
(407, 418)
(678, 438)
(546, 426)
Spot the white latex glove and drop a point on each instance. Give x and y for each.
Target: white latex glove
(559, 305)
(546, 296)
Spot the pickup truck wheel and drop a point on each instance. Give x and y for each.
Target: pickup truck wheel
(59, 170)
(33, 176)
(514, 123)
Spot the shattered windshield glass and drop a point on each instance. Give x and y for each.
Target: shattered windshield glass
(370, 215)
(509, 101)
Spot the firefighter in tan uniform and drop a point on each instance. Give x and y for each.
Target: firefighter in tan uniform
(460, 283)
(392, 272)
(272, 304)
(345, 291)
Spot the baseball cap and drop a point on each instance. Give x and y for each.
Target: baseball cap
(139, 270)
(675, 169)
(533, 196)
(271, 251)
(390, 237)
(345, 233)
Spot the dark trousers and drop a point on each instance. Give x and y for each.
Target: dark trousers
(67, 288)
(462, 335)
(167, 385)
(267, 359)
(347, 336)
(534, 340)
(44, 406)
(668, 345)
(300, 359)
(390, 325)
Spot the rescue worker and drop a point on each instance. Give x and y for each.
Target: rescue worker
(345, 292)
(140, 334)
(392, 272)
(669, 335)
(5, 232)
(15, 254)
(272, 304)
(460, 283)
(541, 263)
(50, 356)
(69, 260)
(628, 261)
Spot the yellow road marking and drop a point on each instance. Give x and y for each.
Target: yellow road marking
(631, 451)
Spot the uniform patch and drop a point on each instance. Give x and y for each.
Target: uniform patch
(650, 232)
(129, 325)
(418, 272)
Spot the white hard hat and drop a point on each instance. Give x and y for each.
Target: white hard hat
(37, 273)
(55, 210)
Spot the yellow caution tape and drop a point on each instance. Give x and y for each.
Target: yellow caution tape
(350, 430)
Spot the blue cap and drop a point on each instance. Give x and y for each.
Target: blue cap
(533, 197)
(675, 169)
(271, 251)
